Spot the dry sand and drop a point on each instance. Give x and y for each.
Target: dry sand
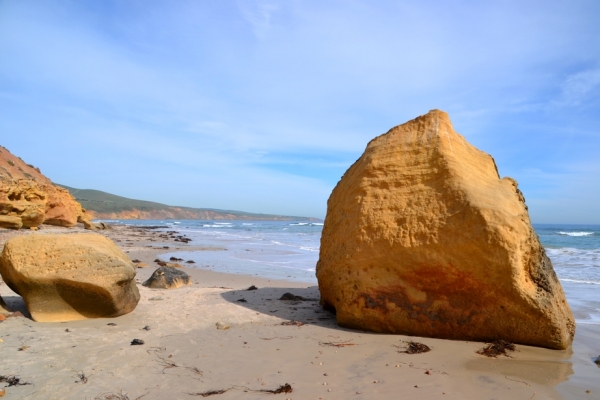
(184, 354)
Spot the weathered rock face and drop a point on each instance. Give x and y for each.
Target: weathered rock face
(29, 195)
(69, 277)
(422, 237)
(10, 222)
(167, 278)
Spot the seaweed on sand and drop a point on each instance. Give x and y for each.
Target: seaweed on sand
(415, 348)
(13, 380)
(496, 348)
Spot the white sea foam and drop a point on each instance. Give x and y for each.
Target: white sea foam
(576, 233)
(309, 248)
(589, 282)
(317, 224)
(299, 224)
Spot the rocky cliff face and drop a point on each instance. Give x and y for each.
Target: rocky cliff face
(28, 196)
(423, 237)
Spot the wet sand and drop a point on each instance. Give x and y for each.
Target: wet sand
(185, 355)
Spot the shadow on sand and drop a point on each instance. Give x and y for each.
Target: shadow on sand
(304, 308)
(16, 303)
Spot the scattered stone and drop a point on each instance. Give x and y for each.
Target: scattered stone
(422, 237)
(2, 317)
(2, 392)
(175, 259)
(142, 265)
(137, 342)
(136, 261)
(16, 314)
(252, 288)
(290, 296)
(33, 228)
(65, 277)
(242, 301)
(191, 262)
(222, 326)
(111, 324)
(168, 278)
(93, 226)
(146, 328)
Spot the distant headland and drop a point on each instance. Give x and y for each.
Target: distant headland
(104, 205)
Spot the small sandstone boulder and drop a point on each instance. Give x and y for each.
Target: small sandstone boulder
(69, 277)
(10, 222)
(168, 278)
(92, 226)
(422, 237)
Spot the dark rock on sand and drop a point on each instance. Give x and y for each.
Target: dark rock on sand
(168, 278)
(290, 296)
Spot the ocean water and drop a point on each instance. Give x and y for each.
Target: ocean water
(269, 249)
(290, 250)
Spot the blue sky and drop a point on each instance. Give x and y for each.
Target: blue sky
(262, 105)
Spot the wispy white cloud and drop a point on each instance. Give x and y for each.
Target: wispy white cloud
(258, 13)
(577, 87)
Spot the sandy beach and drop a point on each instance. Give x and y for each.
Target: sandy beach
(184, 355)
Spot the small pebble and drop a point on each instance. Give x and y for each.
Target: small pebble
(137, 342)
(222, 326)
(2, 392)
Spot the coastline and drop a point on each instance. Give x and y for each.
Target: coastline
(185, 354)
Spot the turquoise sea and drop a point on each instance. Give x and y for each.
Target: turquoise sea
(290, 250)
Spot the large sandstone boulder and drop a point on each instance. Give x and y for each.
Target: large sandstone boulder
(422, 237)
(69, 277)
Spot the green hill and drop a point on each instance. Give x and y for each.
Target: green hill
(109, 206)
